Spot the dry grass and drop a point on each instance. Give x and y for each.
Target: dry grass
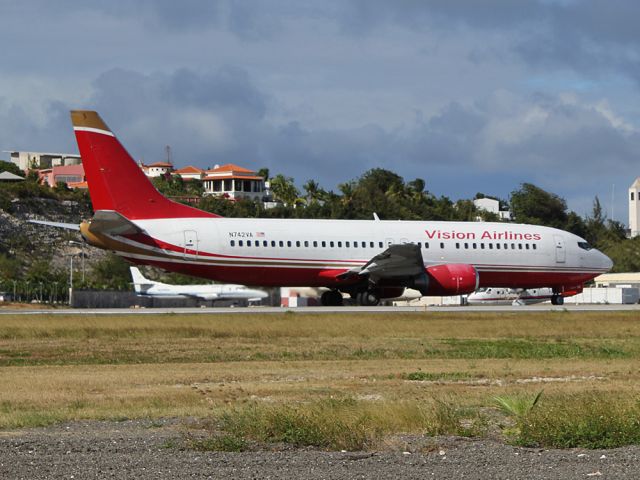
(58, 368)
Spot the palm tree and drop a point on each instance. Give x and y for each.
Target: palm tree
(283, 189)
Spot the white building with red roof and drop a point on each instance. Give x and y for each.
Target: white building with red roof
(190, 173)
(156, 169)
(234, 182)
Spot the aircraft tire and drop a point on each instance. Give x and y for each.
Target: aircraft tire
(557, 300)
(332, 298)
(368, 298)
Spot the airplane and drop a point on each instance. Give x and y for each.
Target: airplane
(509, 296)
(144, 286)
(366, 259)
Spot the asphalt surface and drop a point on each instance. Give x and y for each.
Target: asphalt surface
(146, 449)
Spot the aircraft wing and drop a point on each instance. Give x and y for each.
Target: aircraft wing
(68, 226)
(112, 223)
(402, 261)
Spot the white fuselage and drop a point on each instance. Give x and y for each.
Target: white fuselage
(308, 252)
(509, 296)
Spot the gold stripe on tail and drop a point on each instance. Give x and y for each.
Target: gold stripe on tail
(88, 118)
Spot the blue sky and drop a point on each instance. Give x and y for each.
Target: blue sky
(472, 96)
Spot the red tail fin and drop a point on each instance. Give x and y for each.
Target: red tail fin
(116, 182)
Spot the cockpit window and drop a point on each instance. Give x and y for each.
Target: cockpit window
(584, 246)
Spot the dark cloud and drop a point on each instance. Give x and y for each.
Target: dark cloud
(472, 96)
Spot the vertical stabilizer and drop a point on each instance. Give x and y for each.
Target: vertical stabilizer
(140, 283)
(115, 181)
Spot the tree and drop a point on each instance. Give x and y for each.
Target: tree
(313, 191)
(11, 168)
(264, 173)
(284, 190)
(531, 204)
(111, 273)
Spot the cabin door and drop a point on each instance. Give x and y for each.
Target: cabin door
(561, 252)
(191, 243)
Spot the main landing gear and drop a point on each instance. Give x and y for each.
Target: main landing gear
(368, 298)
(557, 300)
(332, 298)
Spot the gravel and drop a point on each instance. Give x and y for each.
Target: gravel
(156, 449)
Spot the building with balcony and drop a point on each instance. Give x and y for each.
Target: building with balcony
(234, 182)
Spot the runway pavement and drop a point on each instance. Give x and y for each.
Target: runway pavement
(318, 310)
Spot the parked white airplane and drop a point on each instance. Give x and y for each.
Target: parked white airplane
(145, 286)
(509, 296)
(368, 260)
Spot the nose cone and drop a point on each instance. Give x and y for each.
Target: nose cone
(605, 262)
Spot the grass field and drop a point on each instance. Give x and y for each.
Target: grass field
(334, 380)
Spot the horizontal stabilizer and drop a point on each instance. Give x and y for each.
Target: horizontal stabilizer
(111, 222)
(68, 226)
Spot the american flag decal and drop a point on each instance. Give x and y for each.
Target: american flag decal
(259, 234)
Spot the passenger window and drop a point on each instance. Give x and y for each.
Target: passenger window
(273, 243)
(441, 244)
(264, 243)
(513, 246)
(233, 243)
(535, 246)
(466, 246)
(306, 243)
(482, 246)
(506, 246)
(380, 244)
(331, 244)
(315, 244)
(346, 244)
(239, 243)
(457, 245)
(324, 244)
(526, 245)
(519, 246)
(475, 245)
(297, 243)
(248, 243)
(281, 243)
(355, 244)
(339, 244)
(257, 243)
(288, 243)
(371, 244)
(491, 246)
(497, 246)
(426, 244)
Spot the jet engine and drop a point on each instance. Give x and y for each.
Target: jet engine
(451, 279)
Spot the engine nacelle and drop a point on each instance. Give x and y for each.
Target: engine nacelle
(452, 279)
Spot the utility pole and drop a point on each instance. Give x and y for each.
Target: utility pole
(70, 278)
